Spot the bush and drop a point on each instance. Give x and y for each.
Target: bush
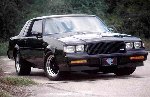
(3, 48)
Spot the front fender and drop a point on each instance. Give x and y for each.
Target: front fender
(11, 52)
(51, 49)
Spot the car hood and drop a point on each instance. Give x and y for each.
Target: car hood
(88, 37)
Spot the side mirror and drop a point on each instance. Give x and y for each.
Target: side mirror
(38, 35)
(112, 29)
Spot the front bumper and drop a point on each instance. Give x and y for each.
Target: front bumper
(123, 59)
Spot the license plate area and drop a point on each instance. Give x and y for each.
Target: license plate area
(109, 61)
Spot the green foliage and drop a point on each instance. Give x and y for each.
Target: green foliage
(17, 81)
(88, 6)
(3, 48)
(10, 15)
(130, 16)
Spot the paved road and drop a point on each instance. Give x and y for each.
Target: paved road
(84, 85)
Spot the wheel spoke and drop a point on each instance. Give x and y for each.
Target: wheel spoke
(52, 70)
(17, 63)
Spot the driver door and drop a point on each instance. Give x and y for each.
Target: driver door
(34, 42)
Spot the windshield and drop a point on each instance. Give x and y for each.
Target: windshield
(75, 24)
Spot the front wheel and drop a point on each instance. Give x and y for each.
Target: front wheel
(124, 71)
(20, 66)
(51, 67)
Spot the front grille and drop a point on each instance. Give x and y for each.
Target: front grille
(105, 47)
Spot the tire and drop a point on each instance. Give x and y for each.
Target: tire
(21, 67)
(51, 67)
(124, 71)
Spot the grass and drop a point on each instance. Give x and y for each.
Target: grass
(4, 94)
(17, 81)
(8, 85)
(3, 48)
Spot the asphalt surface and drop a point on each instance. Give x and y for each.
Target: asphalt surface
(85, 85)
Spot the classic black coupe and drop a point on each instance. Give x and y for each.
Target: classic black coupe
(76, 42)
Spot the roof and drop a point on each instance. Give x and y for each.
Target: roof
(68, 15)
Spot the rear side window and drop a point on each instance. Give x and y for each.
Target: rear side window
(37, 27)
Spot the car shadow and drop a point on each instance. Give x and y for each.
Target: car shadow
(81, 76)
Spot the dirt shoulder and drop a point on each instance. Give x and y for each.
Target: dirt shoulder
(8, 86)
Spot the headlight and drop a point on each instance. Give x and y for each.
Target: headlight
(129, 45)
(137, 45)
(69, 49)
(80, 48)
(73, 49)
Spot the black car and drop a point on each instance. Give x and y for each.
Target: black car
(76, 42)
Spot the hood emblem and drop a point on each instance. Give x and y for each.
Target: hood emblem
(110, 61)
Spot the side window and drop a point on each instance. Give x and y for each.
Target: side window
(37, 27)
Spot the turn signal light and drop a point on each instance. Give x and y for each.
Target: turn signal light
(79, 62)
(137, 58)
